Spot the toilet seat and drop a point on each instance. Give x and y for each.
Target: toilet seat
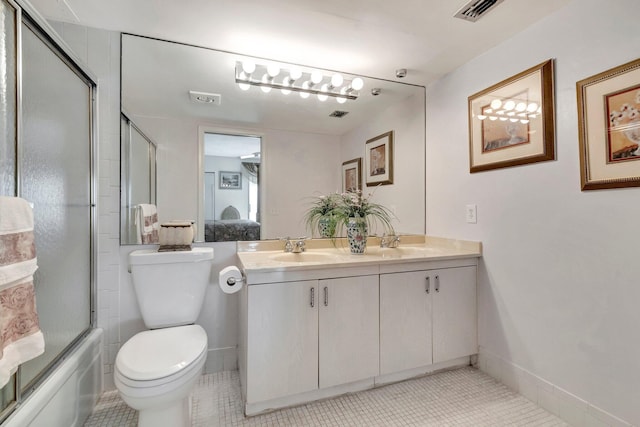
(161, 356)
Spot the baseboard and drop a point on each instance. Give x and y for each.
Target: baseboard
(566, 406)
(221, 359)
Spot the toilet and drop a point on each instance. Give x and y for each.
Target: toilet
(156, 370)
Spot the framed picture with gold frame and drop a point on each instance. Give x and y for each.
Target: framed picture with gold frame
(512, 122)
(378, 160)
(352, 175)
(609, 128)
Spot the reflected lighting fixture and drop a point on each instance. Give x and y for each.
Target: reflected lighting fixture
(291, 78)
(514, 110)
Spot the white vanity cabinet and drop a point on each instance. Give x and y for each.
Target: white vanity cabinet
(339, 323)
(427, 316)
(305, 335)
(405, 321)
(282, 339)
(348, 330)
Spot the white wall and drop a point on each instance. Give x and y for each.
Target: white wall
(406, 196)
(295, 165)
(239, 198)
(558, 286)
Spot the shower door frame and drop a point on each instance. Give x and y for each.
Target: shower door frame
(27, 15)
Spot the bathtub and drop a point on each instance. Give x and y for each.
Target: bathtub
(67, 397)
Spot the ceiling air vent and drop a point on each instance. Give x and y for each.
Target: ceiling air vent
(205, 98)
(473, 10)
(339, 114)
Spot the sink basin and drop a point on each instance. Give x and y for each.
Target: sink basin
(302, 257)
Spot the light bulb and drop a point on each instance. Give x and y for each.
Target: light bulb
(532, 107)
(322, 96)
(502, 119)
(521, 106)
(295, 73)
(248, 66)
(524, 121)
(481, 117)
(493, 118)
(273, 70)
(286, 84)
(509, 105)
(341, 100)
(305, 86)
(357, 83)
(513, 120)
(496, 103)
(265, 89)
(316, 77)
(244, 86)
(337, 80)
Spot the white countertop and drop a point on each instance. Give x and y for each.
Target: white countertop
(269, 256)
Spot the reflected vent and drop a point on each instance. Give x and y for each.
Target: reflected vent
(475, 9)
(339, 114)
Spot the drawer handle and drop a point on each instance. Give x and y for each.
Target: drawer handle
(313, 293)
(326, 296)
(428, 284)
(437, 283)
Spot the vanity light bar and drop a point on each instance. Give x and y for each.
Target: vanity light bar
(295, 80)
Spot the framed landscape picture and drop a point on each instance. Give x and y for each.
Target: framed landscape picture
(230, 181)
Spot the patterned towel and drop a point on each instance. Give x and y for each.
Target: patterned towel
(147, 226)
(20, 336)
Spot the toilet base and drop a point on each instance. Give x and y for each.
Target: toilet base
(175, 415)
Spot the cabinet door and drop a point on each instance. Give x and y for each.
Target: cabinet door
(454, 313)
(405, 320)
(282, 340)
(348, 330)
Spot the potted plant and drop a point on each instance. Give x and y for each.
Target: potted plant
(358, 214)
(320, 216)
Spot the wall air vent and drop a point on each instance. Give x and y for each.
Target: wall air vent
(339, 114)
(475, 9)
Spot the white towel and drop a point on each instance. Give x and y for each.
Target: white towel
(147, 226)
(20, 336)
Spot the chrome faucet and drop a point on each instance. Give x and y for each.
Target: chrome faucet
(296, 247)
(390, 241)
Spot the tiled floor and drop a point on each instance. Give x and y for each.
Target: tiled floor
(462, 397)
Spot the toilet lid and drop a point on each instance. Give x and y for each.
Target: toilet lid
(159, 353)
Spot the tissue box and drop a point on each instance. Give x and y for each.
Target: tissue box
(176, 236)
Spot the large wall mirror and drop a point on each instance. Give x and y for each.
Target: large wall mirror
(256, 156)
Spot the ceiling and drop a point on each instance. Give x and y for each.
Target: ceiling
(366, 37)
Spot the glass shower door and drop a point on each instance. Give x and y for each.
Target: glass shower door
(55, 176)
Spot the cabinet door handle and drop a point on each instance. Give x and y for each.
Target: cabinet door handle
(313, 292)
(437, 283)
(326, 296)
(428, 284)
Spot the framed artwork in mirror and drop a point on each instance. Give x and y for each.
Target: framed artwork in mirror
(378, 163)
(512, 122)
(609, 128)
(230, 181)
(352, 175)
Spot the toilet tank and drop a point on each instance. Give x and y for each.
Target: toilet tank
(170, 286)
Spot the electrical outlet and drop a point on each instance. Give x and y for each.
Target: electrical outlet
(472, 214)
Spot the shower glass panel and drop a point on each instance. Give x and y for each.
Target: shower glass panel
(138, 175)
(55, 175)
(8, 73)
